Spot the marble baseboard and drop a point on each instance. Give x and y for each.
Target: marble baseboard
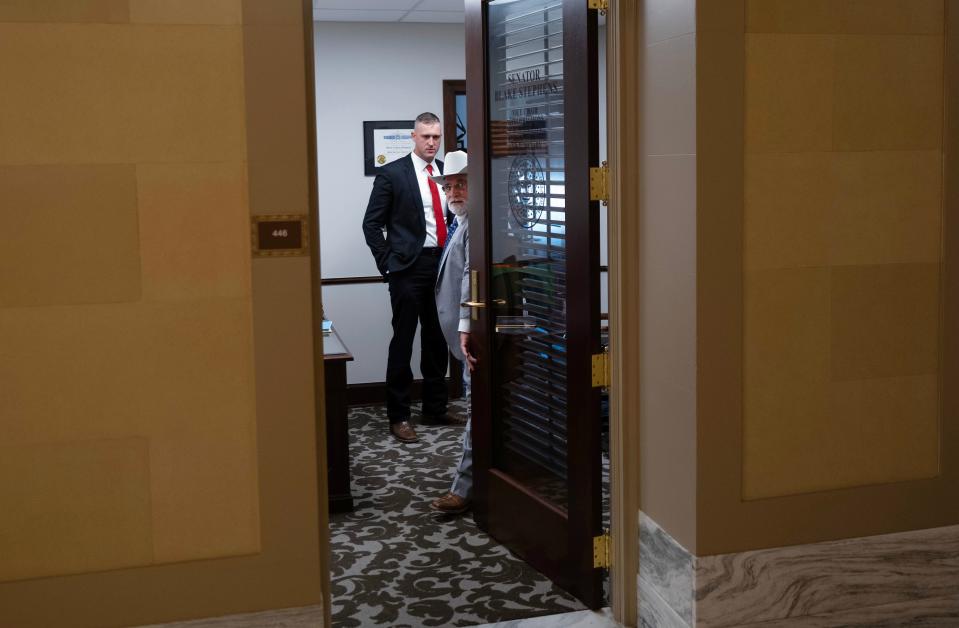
(654, 611)
(820, 578)
(667, 568)
(905, 575)
(926, 613)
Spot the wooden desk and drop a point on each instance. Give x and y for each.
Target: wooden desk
(335, 357)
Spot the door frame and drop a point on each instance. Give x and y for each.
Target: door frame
(624, 26)
(316, 304)
(624, 57)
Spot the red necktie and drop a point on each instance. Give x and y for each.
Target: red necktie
(437, 209)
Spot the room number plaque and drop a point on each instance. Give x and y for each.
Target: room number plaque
(280, 236)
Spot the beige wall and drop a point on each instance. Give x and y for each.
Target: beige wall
(796, 299)
(842, 228)
(820, 294)
(129, 241)
(158, 400)
(667, 316)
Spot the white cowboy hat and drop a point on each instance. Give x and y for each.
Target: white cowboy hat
(453, 163)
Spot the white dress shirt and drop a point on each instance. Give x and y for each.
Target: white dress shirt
(419, 166)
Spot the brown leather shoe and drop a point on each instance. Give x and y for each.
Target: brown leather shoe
(450, 504)
(404, 432)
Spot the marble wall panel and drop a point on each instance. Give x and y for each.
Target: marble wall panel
(800, 581)
(909, 578)
(926, 613)
(654, 612)
(666, 568)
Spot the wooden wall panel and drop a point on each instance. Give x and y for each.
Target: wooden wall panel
(173, 362)
(826, 272)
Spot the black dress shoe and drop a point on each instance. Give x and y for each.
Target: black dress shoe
(404, 432)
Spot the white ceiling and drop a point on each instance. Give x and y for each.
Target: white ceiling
(435, 11)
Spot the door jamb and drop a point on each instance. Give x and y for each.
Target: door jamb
(623, 115)
(316, 298)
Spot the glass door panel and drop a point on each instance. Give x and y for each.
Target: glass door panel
(528, 243)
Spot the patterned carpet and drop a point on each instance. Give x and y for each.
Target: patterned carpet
(397, 563)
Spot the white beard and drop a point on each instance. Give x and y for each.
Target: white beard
(458, 209)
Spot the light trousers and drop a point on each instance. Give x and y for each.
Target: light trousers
(463, 478)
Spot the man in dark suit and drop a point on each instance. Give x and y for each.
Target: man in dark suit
(410, 207)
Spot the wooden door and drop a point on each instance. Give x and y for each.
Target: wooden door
(532, 102)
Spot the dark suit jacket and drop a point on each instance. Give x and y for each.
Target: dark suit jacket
(396, 204)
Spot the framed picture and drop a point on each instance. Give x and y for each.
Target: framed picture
(384, 141)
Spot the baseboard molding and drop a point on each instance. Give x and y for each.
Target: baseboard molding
(374, 393)
(886, 580)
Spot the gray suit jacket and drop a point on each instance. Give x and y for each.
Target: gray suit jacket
(453, 287)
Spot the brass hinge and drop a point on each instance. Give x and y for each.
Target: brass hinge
(601, 555)
(599, 5)
(599, 183)
(601, 376)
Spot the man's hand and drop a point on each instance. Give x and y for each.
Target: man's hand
(465, 347)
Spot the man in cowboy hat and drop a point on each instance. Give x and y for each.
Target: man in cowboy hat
(453, 289)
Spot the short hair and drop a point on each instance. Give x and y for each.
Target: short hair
(427, 118)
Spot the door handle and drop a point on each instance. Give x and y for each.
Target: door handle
(474, 301)
(514, 327)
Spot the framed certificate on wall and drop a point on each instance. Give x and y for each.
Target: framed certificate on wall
(384, 141)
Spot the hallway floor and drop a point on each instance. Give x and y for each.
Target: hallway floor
(397, 563)
(312, 617)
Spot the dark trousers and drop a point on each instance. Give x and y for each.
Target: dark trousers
(412, 298)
